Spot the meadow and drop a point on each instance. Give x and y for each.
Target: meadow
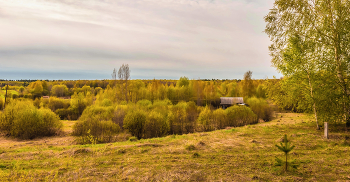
(244, 153)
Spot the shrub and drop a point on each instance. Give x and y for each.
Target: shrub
(102, 130)
(105, 113)
(119, 114)
(68, 113)
(56, 103)
(21, 119)
(240, 116)
(79, 102)
(156, 125)
(37, 102)
(219, 118)
(14, 95)
(144, 103)
(132, 139)
(260, 107)
(179, 119)
(106, 102)
(205, 120)
(162, 103)
(190, 147)
(135, 123)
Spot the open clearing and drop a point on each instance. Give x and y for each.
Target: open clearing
(239, 154)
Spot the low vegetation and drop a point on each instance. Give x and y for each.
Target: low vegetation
(21, 119)
(244, 153)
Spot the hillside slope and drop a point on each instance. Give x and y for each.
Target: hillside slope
(239, 154)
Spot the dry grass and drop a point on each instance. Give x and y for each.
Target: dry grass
(235, 154)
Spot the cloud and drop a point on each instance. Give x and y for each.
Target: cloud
(173, 38)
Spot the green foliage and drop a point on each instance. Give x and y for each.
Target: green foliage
(260, 107)
(220, 118)
(240, 116)
(21, 119)
(132, 139)
(195, 155)
(79, 102)
(119, 114)
(106, 103)
(102, 130)
(156, 125)
(285, 147)
(104, 113)
(205, 119)
(183, 82)
(190, 147)
(59, 90)
(135, 122)
(144, 103)
(55, 103)
(313, 56)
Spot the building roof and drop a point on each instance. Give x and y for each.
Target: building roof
(231, 100)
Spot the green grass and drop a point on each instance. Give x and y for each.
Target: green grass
(236, 154)
(3, 92)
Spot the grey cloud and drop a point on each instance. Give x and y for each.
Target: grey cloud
(159, 37)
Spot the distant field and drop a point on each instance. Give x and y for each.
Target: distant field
(3, 92)
(239, 154)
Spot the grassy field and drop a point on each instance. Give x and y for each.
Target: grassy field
(236, 154)
(3, 92)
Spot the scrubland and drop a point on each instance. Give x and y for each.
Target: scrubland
(244, 153)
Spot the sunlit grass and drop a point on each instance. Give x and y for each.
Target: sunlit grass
(235, 154)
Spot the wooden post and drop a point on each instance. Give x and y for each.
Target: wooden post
(326, 130)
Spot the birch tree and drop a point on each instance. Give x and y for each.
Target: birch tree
(124, 75)
(325, 24)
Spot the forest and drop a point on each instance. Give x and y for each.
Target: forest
(145, 108)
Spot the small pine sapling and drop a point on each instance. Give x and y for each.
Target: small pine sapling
(286, 148)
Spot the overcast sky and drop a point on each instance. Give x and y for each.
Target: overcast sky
(162, 39)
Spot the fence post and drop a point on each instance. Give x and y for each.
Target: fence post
(326, 130)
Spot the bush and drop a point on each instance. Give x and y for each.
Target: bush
(68, 113)
(59, 90)
(135, 123)
(14, 95)
(21, 119)
(156, 125)
(105, 113)
(162, 103)
(119, 114)
(56, 103)
(102, 130)
(37, 102)
(260, 107)
(179, 119)
(106, 103)
(220, 118)
(144, 103)
(205, 120)
(240, 116)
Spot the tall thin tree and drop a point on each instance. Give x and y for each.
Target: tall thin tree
(124, 75)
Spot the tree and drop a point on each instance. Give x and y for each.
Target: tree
(248, 87)
(285, 147)
(301, 66)
(114, 74)
(59, 90)
(325, 24)
(124, 75)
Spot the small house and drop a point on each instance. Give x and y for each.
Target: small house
(230, 101)
(46, 97)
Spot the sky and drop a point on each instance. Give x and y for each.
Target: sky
(161, 39)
